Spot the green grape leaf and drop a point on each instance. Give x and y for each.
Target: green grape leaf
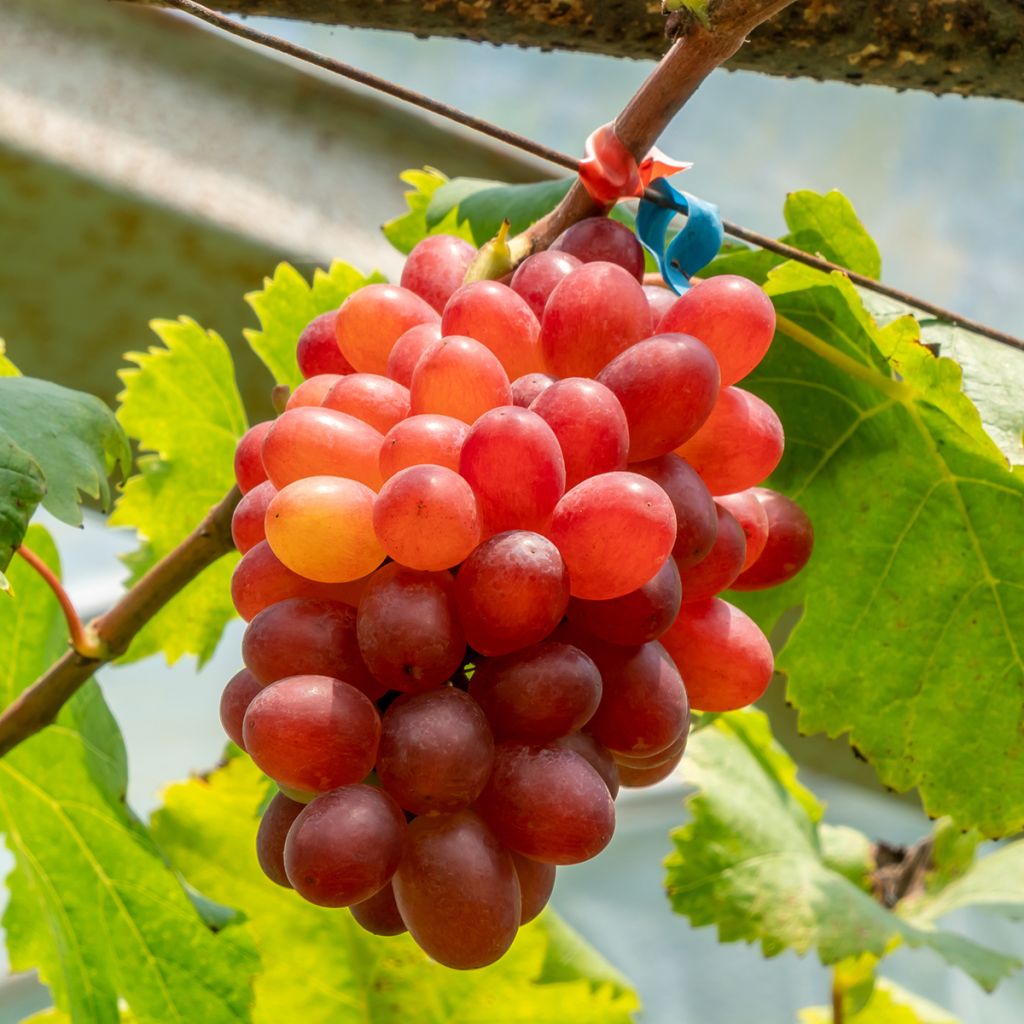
(22, 486)
(207, 828)
(752, 861)
(73, 438)
(953, 853)
(827, 226)
(889, 1004)
(483, 205)
(182, 405)
(405, 231)
(914, 598)
(92, 904)
(287, 303)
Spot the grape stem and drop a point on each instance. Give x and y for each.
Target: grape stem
(110, 635)
(84, 639)
(837, 999)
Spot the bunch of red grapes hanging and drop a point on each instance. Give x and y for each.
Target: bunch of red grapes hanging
(482, 548)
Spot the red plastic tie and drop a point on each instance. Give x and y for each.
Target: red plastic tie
(610, 172)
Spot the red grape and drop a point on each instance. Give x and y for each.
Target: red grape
(592, 315)
(436, 440)
(345, 846)
(303, 636)
(660, 300)
(459, 377)
(497, 317)
(436, 751)
(261, 579)
(312, 441)
(536, 882)
(667, 387)
(408, 349)
(547, 803)
(322, 528)
(526, 388)
(601, 238)
(379, 915)
(270, 837)
(457, 890)
(696, 515)
(723, 655)
(721, 565)
(235, 701)
(614, 532)
(378, 401)
(373, 318)
(317, 351)
(787, 547)
(312, 732)
(249, 468)
(590, 426)
(408, 628)
(739, 445)
(637, 617)
(535, 278)
(514, 464)
(426, 517)
(512, 591)
(748, 511)
(732, 316)
(538, 693)
(673, 750)
(639, 778)
(312, 391)
(247, 527)
(596, 755)
(436, 267)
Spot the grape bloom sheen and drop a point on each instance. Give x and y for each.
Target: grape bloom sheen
(482, 574)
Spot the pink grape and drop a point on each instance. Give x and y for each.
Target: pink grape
(436, 267)
(436, 751)
(426, 517)
(378, 401)
(546, 802)
(261, 579)
(667, 386)
(748, 511)
(614, 532)
(535, 278)
(512, 460)
(345, 846)
(526, 388)
(536, 883)
(457, 890)
(373, 318)
(426, 438)
(379, 915)
(590, 426)
(696, 514)
(638, 617)
(787, 547)
(277, 819)
(312, 390)
(511, 592)
(408, 349)
(538, 693)
(723, 655)
(312, 441)
(660, 300)
(242, 687)
(312, 733)
(322, 528)
(604, 239)
(308, 637)
(721, 565)
(739, 445)
(459, 377)
(317, 351)
(409, 631)
(732, 316)
(249, 468)
(593, 314)
(496, 316)
(247, 526)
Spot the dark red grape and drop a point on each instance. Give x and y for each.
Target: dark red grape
(601, 238)
(597, 755)
(242, 687)
(379, 915)
(270, 837)
(721, 565)
(536, 882)
(787, 547)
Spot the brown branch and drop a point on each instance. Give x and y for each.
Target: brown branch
(38, 706)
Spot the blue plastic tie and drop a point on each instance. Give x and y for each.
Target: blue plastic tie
(692, 248)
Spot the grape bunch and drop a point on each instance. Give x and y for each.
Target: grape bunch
(482, 548)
